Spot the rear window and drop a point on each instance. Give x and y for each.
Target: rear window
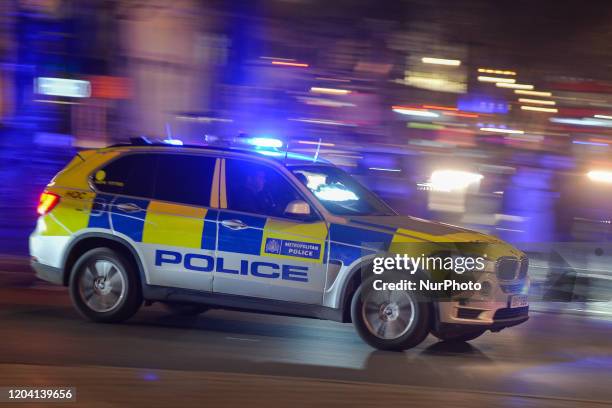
(177, 178)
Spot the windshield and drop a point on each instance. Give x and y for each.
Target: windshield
(340, 193)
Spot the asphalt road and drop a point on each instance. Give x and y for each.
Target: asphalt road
(237, 359)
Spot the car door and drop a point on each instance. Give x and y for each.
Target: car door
(261, 252)
(180, 228)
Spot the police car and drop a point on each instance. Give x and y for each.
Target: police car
(268, 231)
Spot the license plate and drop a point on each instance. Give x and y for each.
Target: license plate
(519, 301)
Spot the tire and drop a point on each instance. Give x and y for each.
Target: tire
(104, 286)
(186, 309)
(459, 337)
(390, 320)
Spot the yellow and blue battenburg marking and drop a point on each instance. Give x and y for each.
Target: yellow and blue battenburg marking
(98, 217)
(129, 223)
(243, 241)
(194, 227)
(349, 243)
(180, 225)
(106, 214)
(157, 222)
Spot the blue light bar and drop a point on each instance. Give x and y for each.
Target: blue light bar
(265, 142)
(175, 142)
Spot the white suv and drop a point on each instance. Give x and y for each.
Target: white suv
(201, 227)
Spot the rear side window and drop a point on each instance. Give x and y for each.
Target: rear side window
(184, 179)
(129, 175)
(168, 177)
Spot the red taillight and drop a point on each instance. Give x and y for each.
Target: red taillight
(47, 202)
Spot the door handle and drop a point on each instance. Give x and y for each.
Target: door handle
(234, 224)
(129, 207)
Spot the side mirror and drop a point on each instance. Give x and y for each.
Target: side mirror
(297, 208)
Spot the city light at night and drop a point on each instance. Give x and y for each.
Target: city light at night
(305, 203)
(441, 61)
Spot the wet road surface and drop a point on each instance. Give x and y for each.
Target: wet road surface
(232, 358)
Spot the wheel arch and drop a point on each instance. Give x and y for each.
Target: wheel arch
(356, 276)
(93, 240)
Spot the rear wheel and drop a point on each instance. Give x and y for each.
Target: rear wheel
(104, 286)
(389, 319)
(457, 337)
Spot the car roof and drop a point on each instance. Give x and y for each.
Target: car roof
(282, 157)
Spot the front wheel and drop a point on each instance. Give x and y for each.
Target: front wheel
(104, 286)
(389, 319)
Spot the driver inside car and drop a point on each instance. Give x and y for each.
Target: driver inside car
(258, 194)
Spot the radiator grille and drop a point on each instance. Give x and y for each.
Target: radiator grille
(507, 268)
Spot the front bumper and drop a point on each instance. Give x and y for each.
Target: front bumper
(47, 273)
(494, 327)
(491, 311)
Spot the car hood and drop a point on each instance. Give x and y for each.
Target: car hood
(411, 229)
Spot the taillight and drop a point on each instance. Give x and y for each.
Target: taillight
(47, 202)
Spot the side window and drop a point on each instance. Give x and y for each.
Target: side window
(129, 175)
(184, 179)
(257, 189)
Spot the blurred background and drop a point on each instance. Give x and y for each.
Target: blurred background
(495, 116)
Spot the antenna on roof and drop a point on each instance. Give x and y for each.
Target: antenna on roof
(286, 152)
(316, 156)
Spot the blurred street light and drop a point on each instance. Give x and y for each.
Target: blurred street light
(537, 101)
(502, 130)
(539, 109)
(532, 93)
(290, 64)
(441, 61)
(414, 112)
(495, 71)
(330, 91)
(483, 78)
(513, 86)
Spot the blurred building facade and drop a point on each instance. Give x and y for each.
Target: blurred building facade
(392, 93)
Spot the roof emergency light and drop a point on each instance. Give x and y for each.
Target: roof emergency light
(265, 142)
